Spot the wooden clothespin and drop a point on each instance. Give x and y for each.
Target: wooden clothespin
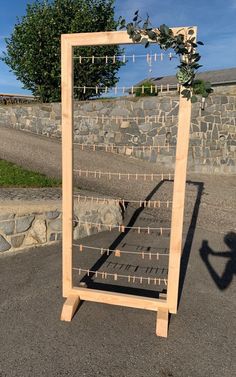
(117, 253)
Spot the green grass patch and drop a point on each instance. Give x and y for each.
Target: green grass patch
(12, 175)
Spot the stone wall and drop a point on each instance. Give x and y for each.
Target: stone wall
(23, 228)
(154, 121)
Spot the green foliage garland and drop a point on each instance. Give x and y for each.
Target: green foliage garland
(185, 49)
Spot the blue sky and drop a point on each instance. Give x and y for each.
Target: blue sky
(214, 18)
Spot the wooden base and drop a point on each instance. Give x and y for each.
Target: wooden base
(162, 323)
(69, 308)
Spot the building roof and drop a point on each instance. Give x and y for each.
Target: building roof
(218, 77)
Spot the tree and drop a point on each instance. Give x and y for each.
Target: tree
(33, 50)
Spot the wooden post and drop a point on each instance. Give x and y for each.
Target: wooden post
(69, 308)
(162, 322)
(67, 163)
(177, 218)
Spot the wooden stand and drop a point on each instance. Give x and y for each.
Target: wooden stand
(74, 294)
(69, 308)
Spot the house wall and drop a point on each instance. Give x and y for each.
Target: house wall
(212, 139)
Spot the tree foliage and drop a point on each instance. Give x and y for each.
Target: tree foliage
(146, 88)
(33, 50)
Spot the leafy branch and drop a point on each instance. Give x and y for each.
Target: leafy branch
(141, 31)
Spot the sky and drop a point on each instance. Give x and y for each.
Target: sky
(216, 28)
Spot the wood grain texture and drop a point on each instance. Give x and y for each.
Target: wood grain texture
(69, 308)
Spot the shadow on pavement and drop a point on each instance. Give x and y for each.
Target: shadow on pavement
(225, 280)
(190, 235)
(87, 280)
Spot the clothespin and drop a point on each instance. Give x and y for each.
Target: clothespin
(117, 253)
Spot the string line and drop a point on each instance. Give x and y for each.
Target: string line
(118, 252)
(124, 89)
(126, 118)
(115, 148)
(130, 278)
(149, 57)
(144, 203)
(122, 228)
(136, 176)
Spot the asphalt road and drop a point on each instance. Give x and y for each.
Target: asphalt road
(110, 341)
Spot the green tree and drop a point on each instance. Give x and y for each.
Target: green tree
(146, 88)
(33, 50)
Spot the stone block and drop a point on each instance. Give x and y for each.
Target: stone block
(17, 241)
(55, 225)
(203, 126)
(150, 103)
(7, 227)
(7, 216)
(24, 223)
(153, 132)
(52, 237)
(119, 111)
(59, 236)
(37, 234)
(145, 127)
(52, 215)
(4, 245)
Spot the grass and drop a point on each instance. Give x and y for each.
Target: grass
(12, 175)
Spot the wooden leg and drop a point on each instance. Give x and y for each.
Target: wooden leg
(162, 322)
(69, 308)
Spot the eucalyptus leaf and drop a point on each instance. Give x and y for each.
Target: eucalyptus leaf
(194, 99)
(184, 48)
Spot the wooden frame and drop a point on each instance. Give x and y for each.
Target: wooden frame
(75, 294)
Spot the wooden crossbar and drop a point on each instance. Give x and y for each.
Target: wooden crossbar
(120, 299)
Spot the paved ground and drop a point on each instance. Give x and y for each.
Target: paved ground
(109, 341)
(112, 341)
